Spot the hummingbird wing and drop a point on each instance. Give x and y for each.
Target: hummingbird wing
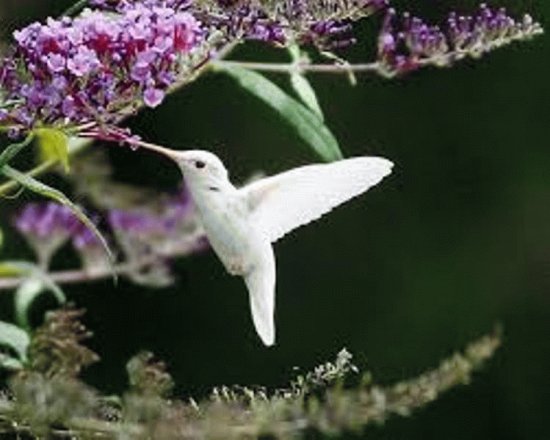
(297, 197)
(260, 282)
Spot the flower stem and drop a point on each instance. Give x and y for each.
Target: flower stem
(75, 276)
(288, 68)
(74, 9)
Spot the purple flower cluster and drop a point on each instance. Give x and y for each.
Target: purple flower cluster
(42, 221)
(46, 226)
(89, 68)
(325, 23)
(162, 231)
(140, 233)
(49, 225)
(415, 43)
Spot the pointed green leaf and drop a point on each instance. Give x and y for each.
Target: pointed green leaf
(306, 123)
(13, 150)
(53, 145)
(300, 83)
(8, 269)
(295, 52)
(25, 296)
(305, 91)
(41, 188)
(29, 291)
(15, 338)
(10, 363)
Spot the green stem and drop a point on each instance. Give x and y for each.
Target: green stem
(13, 150)
(288, 68)
(74, 9)
(12, 185)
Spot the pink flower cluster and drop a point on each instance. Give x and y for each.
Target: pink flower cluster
(90, 67)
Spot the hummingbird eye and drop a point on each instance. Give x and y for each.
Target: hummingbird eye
(199, 164)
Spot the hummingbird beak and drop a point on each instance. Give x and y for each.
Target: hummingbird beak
(175, 155)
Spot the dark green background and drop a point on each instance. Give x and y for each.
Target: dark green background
(456, 240)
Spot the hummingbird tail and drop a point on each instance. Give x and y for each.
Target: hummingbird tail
(261, 288)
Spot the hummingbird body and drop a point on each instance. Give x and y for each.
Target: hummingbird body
(241, 224)
(225, 218)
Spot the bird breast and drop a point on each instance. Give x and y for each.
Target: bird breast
(227, 226)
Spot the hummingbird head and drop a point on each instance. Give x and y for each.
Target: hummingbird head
(201, 167)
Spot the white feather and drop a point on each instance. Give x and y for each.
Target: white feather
(297, 197)
(260, 282)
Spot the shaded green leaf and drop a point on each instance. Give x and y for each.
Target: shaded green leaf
(305, 91)
(53, 145)
(10, 363)
(29, 291)
(15, 338)
(36, 282)
(9, 269)
(25, 295)
(41, 188)
(306, 123)
(300, 83)
(13, 150)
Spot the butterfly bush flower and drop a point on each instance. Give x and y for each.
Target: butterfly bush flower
(170, 230)
(46, 227)
(150, 238)
(325, 23)
(143, 235)
(92, 67)
(413, 43)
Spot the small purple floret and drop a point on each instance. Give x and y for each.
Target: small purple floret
(42, 221)
(412, 43)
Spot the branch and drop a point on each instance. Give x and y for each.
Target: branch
(289, 68)
(74, 276)
(77, 275)
(380, 67)
(332, 410)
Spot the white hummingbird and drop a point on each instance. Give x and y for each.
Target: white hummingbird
(242, 223)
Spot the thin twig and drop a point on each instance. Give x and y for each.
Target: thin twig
(77, 7)
(287, 68)
(74, 276)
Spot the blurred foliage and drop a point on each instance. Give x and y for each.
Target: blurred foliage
(50, 401)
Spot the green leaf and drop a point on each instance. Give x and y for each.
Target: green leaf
(15, 338)
(25, 296)
(53, 145)
(306, 123)
(41, 188)
(29, 291)
(301, 85)
(37, 282)
(10, 363)
(13, 150)
(9, 269)
(305, 91)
